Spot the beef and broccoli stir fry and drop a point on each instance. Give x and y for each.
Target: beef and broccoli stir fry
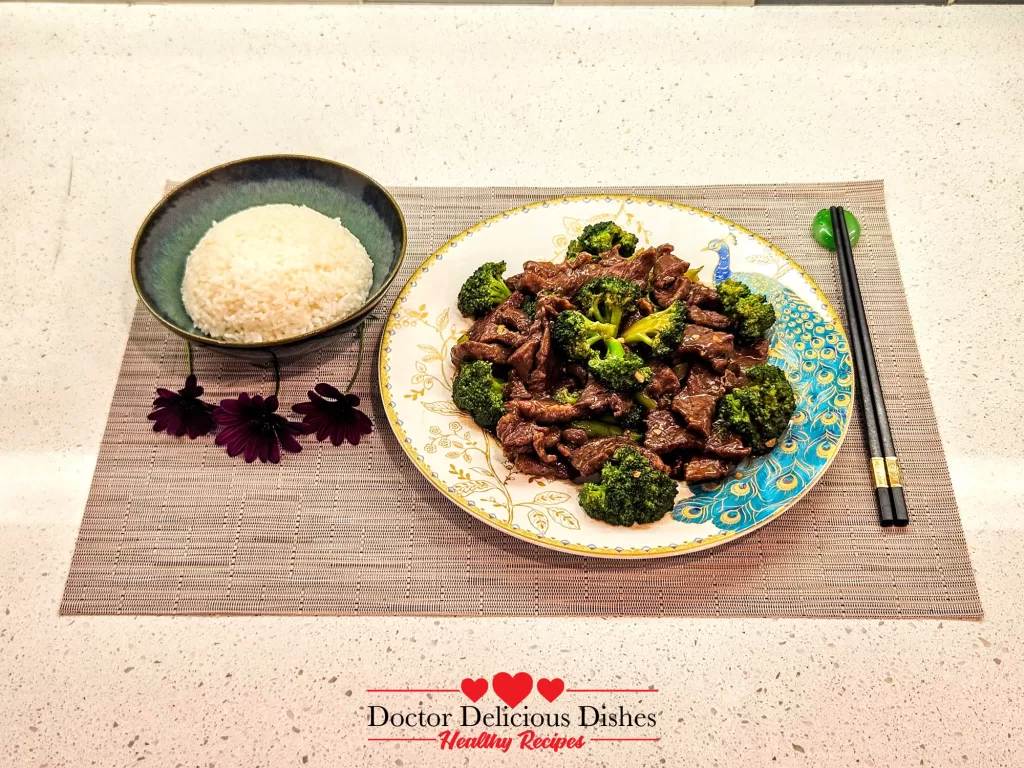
(620, 369)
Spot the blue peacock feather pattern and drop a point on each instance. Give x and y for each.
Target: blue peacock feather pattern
(816, 360)
(720, 246)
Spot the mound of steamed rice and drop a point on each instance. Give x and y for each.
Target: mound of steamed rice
(274, 271)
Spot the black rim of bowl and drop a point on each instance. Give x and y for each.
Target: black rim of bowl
(366, 307)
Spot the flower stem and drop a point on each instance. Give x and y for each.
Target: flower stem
(277, 374)
(359, 358)
(188, 357)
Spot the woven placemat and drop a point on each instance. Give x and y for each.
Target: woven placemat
(174, 526)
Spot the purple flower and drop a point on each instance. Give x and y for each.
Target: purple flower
(250, 425)
(336, 418)
(182, 412)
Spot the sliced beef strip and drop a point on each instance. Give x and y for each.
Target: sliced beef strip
(703, 381)
(734, 377)
(574, 436)
(678, 291)
(698, 411)
(578, 373)
(669, 281)
(644, 307)
(664, 434)
(545, 363)
(755, 354)
(571, 439)
(716, 347)
(515, 389)
(522, 360)
(698, 399)
(636, 268)
(515, 434)
(477, 350)
(567, 277)
(726, 445)
(596, 399)
(703, 295)
(543, 439)
(708, 318)
(495, 335)
(548, 411)
(518, 436)
(549, 305)
(531, 466)
(664, 381)
(702, 469)
(509, 314)
(590, 457)
(505, 324)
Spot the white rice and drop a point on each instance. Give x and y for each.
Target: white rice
(272, 272)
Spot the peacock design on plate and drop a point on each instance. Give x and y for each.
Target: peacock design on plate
(721, 247)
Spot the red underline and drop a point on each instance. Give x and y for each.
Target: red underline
(656, 739)
(611, 690)
(412, 690)
(401, 739)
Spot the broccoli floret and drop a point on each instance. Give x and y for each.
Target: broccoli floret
(729, 292)
(595, 239)
(760, 411)
(575, 335)
(565, 397)
(631, 491)
(477, 390)
(607, 299)
(620, 369)
(484, 290)
(635, 419)
(529, 306)
(752, 312)
(661, 331)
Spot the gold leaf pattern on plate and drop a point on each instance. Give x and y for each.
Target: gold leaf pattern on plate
(539, 520)
(564, 518)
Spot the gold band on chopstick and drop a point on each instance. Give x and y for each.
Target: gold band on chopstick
(878, 470)
(892, 466)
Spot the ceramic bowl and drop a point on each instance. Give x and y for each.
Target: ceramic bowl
(178, 222)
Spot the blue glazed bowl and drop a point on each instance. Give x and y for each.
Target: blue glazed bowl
(178, 222)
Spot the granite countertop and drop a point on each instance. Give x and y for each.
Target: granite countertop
(100, 104)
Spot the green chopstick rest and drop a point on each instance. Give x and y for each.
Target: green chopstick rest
(821, 228)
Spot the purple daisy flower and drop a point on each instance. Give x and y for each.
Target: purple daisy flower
(251, 426)
(337, 418)
(182, 412)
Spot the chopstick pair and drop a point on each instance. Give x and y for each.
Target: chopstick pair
(885, 467)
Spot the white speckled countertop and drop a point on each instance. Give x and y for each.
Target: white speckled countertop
(98, 105)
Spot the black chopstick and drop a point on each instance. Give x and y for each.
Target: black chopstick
(892, 465)
(892, 506)
(885, 513)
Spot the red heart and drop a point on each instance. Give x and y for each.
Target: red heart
(475, 689)
(550, 689)
(512, 690)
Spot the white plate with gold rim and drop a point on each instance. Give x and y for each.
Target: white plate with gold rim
(467, 465)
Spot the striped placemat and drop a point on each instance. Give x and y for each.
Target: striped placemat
(177, 527)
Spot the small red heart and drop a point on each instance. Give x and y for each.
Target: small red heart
(474, 689)
(512, 689)
(550, 689)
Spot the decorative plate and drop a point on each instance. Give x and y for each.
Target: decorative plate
(467, 465)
